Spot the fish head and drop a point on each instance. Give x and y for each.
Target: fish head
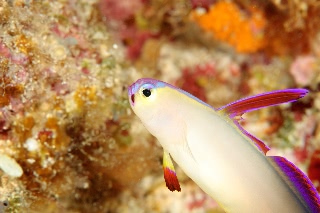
(154, 102)
(143, 97)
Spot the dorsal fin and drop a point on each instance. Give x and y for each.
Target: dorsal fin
(299, 183)
(259, 143)
(252, 103)
(236, 109)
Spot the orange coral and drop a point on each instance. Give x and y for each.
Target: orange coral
(230, 24)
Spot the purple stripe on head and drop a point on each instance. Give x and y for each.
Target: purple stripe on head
(134, 88)
(300, 184)
(158, 84)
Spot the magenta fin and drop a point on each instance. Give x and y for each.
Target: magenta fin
(299, 183)
(273, 98)
(259, 143)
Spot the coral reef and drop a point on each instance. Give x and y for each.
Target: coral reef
(293, 27)
(64, 117)
(68, 140)
(276, 27)
(228, 23)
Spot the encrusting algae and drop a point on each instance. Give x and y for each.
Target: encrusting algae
(62, 121)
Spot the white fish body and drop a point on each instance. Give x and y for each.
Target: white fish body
(213, 152)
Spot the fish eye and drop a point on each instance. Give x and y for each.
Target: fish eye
(146, 92)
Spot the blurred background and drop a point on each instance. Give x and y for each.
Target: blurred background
(69, 141)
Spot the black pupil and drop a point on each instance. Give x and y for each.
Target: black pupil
(146, 92)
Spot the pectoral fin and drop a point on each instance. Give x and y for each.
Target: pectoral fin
(170, 176)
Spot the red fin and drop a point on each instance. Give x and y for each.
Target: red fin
(171, 179)
(259, 143)
(298, 182)
(244, 105)
(170, 176)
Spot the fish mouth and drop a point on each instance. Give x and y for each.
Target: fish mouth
(131, 95)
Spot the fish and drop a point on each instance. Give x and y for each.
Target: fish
(222, 158)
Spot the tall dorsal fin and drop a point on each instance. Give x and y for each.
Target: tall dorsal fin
(252, 103)
(298, 182)
(236, 109)
(259, 143)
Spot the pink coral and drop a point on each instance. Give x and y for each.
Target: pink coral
(134, 39)
(121, 14)
(302, 69)
(202, 3)
(119, 10)
(16, 58)
(190, 80)
(4, 50)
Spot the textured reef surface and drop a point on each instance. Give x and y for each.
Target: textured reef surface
(68, 139)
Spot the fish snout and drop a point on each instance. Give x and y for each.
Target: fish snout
(131, 95)
(132, 99)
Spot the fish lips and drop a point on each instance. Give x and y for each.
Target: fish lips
(131, 95)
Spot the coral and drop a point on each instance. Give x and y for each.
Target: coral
(298, 12)
(293, 27)
(275, 27)
(135, 40)
(121, 16)
(138, 21)
(64, 114)
(192, 79)
(202, 3)
(228, 23)
(12, 196)
(120, 11)
(270, 75)
(304, 70)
